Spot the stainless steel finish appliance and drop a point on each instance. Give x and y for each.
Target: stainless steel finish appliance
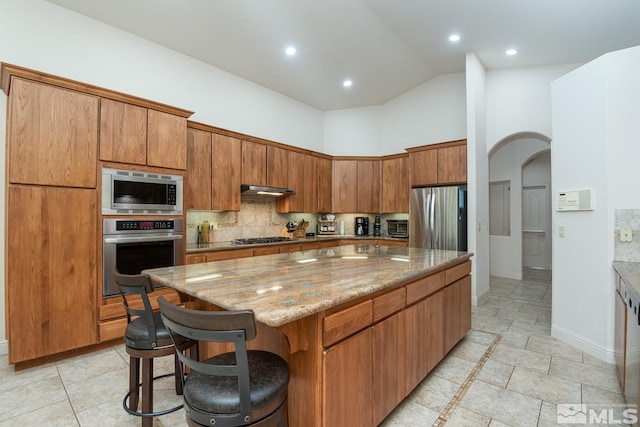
(259, 240)
(362, 226)
(438, 218)
(258, 190)
(126, 192)
(398, 227)
(133, 245)
(376, 226)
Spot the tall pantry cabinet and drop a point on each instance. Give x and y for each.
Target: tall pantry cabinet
(52, 144)
(59, 135)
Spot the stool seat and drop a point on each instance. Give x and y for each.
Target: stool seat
(136, 335)
(268, 378)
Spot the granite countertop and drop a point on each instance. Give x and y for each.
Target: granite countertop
(630, 273)
(282, 288)
(219, 246)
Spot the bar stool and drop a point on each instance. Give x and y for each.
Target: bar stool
(146, 338)
(238, 388)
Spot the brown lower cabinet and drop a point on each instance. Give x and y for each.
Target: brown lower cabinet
(366, 374)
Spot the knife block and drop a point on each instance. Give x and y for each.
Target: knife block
(299, 233)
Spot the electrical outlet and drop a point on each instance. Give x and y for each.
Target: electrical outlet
(561, 231)
(626, 235)
(214, 225)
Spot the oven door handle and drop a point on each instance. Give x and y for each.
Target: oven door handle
(134, 239)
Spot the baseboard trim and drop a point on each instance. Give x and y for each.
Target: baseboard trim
(584, 344)
(506, 274)
(479, 299)
(4, 347)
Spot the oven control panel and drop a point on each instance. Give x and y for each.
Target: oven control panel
(130, 225)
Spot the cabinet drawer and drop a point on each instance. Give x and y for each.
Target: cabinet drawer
(266, 250)
(458, 272)
(388, 304)
(346, 322)
(425, 286)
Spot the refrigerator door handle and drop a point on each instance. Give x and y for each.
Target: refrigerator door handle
(432, 220)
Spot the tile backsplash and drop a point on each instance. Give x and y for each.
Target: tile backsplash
(257, 217)
(627, 219)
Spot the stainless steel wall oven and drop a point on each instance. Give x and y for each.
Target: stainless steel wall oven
(133, 245)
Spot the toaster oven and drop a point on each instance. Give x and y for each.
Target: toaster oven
(398, 227)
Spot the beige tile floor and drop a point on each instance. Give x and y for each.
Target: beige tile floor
(507, 371)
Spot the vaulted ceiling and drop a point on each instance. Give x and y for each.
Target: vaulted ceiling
(385, 47)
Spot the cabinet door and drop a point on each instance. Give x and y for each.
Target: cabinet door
(167, 140)
(225, 173)
(52, 280)
(452, 303)
(417, 344)
(52, 135)
(324, 185)
(345, 180)
(465, 305)
(346, 386)
(197, 182)
(388, 366)
(424, 167)
(368, 193)
(435, 333)
(620, 336)
(310, 184)
(296, 182)
(254, 163)
(452, 164)
(395, 186)
(277, 167)
(123, 132)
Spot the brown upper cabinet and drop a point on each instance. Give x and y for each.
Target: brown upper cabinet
(345, 177)
(277, 167)
(368, 183)
(395, 184)
(356, 186)
(444, 163)
(303, 178)
(198, 182)
(325, 179)
(212, 179)
(141, 136)
(254, 163)
(52, 135)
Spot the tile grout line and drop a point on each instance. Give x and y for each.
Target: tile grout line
(462, 390)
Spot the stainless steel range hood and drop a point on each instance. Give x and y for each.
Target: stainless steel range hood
(258, 190)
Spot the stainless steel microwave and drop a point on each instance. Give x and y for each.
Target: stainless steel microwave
(126, 192)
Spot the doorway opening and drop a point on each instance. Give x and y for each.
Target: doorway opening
(520, 164)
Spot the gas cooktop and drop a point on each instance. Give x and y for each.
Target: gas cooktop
(258, 240)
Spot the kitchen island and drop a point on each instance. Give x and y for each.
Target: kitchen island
(360, 325)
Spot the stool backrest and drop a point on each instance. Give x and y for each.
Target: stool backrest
(235, 327)
(137, 284)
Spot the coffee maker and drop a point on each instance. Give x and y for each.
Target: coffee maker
(362, 226)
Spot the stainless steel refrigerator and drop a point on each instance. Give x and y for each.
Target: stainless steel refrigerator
(438, 218)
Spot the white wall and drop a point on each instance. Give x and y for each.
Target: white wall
(433, 112)
(595, 124)
(478, 176)
(506, 164)
(519, 100)
(3, 114)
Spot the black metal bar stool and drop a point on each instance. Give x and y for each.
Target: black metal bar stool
(146, 338)
(238, 388)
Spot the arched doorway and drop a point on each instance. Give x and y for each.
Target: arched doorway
(512, 162)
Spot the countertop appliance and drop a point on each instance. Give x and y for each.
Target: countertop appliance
(133, 245)
(362, 226)
(398, 227)
(376, 226)
(127, 192)
(438, 218)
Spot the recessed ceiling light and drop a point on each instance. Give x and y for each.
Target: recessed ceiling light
(290, 51)
(454, 37)
(347, 83)
(510, 52)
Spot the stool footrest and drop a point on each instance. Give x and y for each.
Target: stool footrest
(149, 414)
